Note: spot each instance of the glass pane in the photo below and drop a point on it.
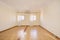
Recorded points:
(20, 18)
(32, 18)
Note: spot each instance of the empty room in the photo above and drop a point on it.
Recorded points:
(29, 19)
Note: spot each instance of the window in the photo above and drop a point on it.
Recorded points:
(20, 18)
(32, 18)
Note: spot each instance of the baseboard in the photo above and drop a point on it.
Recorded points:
(7, 29)
(50, 33)
(13, 27)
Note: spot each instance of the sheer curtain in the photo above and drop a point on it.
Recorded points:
(20, 18)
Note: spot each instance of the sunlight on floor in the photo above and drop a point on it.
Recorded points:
(21, 34)
(33, 34)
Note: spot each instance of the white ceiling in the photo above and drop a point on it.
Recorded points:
(26, 4)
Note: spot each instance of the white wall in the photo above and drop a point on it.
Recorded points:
(50, 17)
(7, 17)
